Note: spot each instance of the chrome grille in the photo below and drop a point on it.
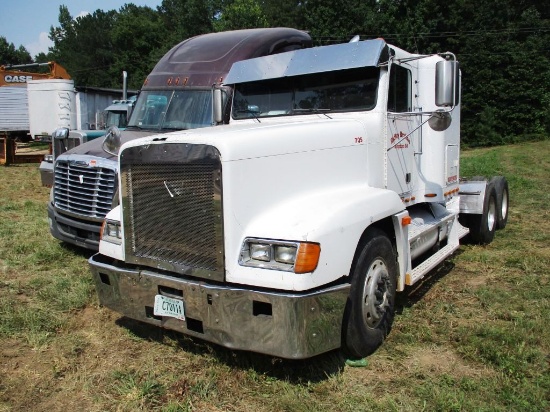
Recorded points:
(174, 215)
(84, 190)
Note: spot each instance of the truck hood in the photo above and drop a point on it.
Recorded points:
(94, 147)
(240, 141)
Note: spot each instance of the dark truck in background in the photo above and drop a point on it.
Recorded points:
(177, 95)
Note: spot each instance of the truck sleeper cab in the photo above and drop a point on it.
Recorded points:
(177, 95)
(359, 198)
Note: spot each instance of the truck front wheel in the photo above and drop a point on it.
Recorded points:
(371, 304)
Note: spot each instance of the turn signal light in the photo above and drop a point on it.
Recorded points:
(307, 257)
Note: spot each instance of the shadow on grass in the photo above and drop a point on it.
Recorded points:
(414, 294)
(77, 250)
(312, 370)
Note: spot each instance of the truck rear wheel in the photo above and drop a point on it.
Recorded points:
(371, 304)
(501, 187)
(482, 227)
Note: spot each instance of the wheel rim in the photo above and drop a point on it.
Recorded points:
(504, 205)
(491, 215)
(376, 293)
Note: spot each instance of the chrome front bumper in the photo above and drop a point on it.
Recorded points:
(282, 324)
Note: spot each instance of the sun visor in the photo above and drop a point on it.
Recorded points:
(369, 53)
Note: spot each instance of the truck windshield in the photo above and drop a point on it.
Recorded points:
(172, 109)
(339, 91)
(118, 119)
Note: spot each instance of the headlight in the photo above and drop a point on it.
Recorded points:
(260, 252)
(297, 257)
(110, 232)
(285, 254)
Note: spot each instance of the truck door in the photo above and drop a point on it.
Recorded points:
(403, 131)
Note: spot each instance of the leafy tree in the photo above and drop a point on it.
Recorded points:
(139, 40)
(186, 18)
(84, 46)
(339, 20)
(10, 55)
(42, 58)
(284, 13)
(501, 46)
(241, 14)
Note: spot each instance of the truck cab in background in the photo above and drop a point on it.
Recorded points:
(64, 139)
(177, 95)
(118, 113)
(290, 230)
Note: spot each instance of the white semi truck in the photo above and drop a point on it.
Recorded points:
(290, 230)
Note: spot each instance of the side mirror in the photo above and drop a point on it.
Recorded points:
(111, 143)
(61, 133)
(217, 105)
(447, 83)
(440, 120)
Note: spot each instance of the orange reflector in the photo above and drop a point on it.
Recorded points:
(169, 81)
(430, 195)
(185, 81)
(307, 257)
(177, 81)
(407, 220)
(101, 230)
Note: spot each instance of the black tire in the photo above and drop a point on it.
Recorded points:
(371, 305)
(503, 200)
(482, 227)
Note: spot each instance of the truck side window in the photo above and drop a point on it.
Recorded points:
(400, 90)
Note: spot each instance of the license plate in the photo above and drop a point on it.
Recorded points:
(165, 306)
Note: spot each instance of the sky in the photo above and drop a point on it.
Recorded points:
(28, 22)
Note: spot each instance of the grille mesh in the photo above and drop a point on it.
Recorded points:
(83, 190)
(175, 213)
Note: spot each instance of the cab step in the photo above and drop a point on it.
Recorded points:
(430, 263)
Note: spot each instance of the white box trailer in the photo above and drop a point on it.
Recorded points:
(52, 104)
(14, 115)
(290, 230)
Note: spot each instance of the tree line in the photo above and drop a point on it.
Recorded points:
(503, 46)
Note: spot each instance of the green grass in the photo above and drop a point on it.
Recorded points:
(473, 336)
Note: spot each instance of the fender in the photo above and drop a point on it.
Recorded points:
(335, 218)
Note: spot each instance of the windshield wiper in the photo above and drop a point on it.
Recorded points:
(254, 113)
(163, 129)
(312, 110)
